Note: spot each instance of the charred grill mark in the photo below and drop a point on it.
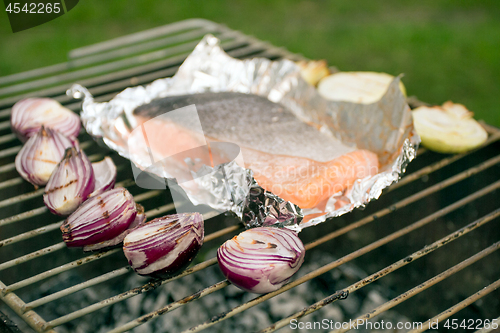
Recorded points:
(42, 160)
(69, 153)
(139, 208)
(218, 317)
(61, 187)
(179, 239)
(193, 297)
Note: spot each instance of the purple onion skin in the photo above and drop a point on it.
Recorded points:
(164, 246)
(261, 260)
(100, 218)
(70, 184)
(140, 218)
(40, 155)
(29, 114)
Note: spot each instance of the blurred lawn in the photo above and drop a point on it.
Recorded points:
(448, 50)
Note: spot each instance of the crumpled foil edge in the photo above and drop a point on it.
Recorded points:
(279, 81)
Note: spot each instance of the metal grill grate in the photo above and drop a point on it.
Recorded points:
(442, 200)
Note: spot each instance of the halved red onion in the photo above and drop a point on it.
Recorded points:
(29, 114)
(105, 175)
(164, 246)
(38, 158)
(261, 260)
(100, 218)
(70, 184)
(139, 219)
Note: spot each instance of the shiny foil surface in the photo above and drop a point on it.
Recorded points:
(384, 127)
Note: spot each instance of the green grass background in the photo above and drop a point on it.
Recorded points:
(448, 50)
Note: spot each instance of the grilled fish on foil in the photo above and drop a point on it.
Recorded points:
(287, 156)
(254, 138)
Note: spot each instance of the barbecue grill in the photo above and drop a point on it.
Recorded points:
(431, 238)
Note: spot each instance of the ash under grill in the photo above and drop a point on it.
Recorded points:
(428, 245)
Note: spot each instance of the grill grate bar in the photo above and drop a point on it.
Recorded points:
(56, 225)
(21, 198)
(346, 258)
(75, 288)
(192, 36)
(104, 87)
(22, 216)
(31, 317)
(385, 271)
(43, 209)
(134, 76)
(442, 163)
(19, 180)
(172, 306)
(11, 137)
(12, 166)
(7, 138)
(57, 270)
(136, 291)
(151, 285)
(5, 124)
(142, 36)
(408, 200)
(348, 228)
(436, 187)
(44, 71)
(126, 78)
(402, 203)
(459, 306)
(30, 195)
(53, 226)
(109, 276)
(105, 68)
(118, 69)
(7, 167)
(32, 255)
(14, 150)
(11, 182)
(10, 151)
(425, 285)
(312, 274)
(59, 246)
(30, 234)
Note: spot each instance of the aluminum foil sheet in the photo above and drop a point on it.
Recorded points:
(384, 127)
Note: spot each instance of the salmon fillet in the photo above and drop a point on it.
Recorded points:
(309, 183)
(290, 158)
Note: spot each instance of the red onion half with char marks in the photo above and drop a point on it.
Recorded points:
(29, 114)
(71, 183)
(100, 218)
(38, 158)
(139, 219)
(261, 260)
(164, 246)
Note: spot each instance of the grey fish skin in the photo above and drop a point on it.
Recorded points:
(251, 122)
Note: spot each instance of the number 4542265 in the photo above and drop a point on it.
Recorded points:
(34, 8)
(471, 324)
